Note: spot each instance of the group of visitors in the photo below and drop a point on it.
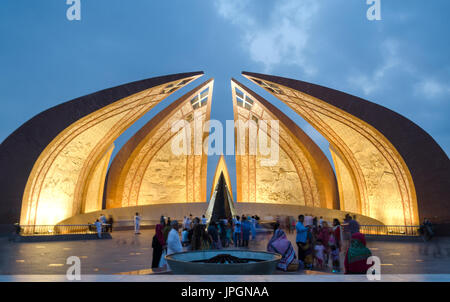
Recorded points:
(198, 234)
(102, 224)
(166, 241)
(320, 245)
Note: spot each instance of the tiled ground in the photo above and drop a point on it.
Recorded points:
(128, 252)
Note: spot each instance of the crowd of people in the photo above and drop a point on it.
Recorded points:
(197, 234)
(320, 245)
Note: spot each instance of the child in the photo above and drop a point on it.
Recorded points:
(335, 259)
(185, 237)
(319, 253)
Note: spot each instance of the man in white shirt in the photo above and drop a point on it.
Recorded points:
(137, 223)
(173, 240)
(204, 220)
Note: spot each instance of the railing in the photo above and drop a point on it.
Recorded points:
(42, 230)
(390, 230)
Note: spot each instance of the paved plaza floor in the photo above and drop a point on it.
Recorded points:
(128, 252)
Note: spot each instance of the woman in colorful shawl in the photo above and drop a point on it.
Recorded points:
(281, 245)
(158, 245)
(357, 254)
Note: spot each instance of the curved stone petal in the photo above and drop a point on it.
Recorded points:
(395, 170)
(47, 161)
(146, 170)
(302, 175)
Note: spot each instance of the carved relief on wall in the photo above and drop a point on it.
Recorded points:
(58, 183)
(147, 171)
(301, 176)
(366, 162)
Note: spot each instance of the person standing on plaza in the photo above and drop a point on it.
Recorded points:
(162, 221)
(137, 223)
(187, 223)
(308, 249)
(321, 221)
(173, 240)
(166, 230)
(319, 254)
(302, 233)
(346, 236)
(253, 224)
(185, 237)
(191, 221)
(204, 220)
(324, 237)
(337, 230)
(104, 221)
(98, 225)
(213, 234)
(353, 225)
(314, 224)
(223, 233)
(237, 232)
(158, 245)
(110, 224)
(246, 227)
(229, 234)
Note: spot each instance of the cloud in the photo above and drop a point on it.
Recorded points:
(432, 88)
(391, 61)
(281, 38)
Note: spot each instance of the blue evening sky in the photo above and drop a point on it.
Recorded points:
(401, 62)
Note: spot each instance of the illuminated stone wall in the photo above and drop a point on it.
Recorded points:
(367, 163)
(302, 175)
(58, 184)
(348, 190)
(96, 184)
(146, 170)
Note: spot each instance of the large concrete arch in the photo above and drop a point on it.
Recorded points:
(387, 166)
(48, 162)
(303, 175)
(146, 171)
